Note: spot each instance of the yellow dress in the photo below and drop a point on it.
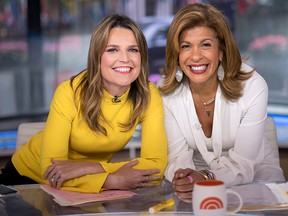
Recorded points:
(67, 136)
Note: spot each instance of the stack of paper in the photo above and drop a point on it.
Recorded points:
(69, 198)
(280, 190)
(261, 196)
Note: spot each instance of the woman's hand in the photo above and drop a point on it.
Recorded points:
(183, 183)
(128, 177)
(63, 170)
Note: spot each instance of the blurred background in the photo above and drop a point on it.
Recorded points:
(44, 42)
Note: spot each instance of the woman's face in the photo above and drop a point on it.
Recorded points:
(120, 62)
(199, 55)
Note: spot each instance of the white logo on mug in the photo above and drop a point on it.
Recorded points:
(210, 198)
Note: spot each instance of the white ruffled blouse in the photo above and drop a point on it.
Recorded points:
(237, 151)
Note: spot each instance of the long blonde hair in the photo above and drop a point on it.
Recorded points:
(92, 85)
(195, 15)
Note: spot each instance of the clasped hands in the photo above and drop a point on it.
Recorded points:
(183, 183)
(126, 177)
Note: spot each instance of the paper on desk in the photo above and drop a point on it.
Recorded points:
(280, 190)
(256, 197)
(69, 198)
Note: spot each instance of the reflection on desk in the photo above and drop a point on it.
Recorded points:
(34, 201)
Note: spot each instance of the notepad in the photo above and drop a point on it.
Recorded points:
(280, 190)
(259, 196)
(70, 198)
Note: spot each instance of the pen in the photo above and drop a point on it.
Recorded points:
(161, 206)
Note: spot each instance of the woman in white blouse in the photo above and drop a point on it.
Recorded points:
(215, 106)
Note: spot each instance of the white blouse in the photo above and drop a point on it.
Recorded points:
(237, 150)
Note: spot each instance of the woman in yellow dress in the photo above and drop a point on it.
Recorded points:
(94, 115)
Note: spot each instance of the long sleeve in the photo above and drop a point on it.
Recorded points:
(246, 133)
(58, 127)
(154, 144)
(57, 136)
(57, 141)
(67, 137)
(237, 144)
(250, 153)
(178, 130)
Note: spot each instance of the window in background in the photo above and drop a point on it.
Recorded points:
(36, 57)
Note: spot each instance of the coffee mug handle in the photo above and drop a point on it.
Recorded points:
(229, 191)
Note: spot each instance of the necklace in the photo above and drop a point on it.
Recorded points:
(206, 104)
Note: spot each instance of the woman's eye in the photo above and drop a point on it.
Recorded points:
(206, 44)
(134, 50)
(184, 46)
(111, 50)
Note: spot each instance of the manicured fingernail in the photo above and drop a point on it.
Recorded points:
(190, 179)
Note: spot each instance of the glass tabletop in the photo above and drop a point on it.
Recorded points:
(32, 200)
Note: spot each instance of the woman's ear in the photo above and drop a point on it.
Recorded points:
(220, 55)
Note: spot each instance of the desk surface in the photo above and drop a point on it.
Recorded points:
(34, 201)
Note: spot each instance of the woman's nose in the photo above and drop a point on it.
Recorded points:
(124, 56)
(196, 54)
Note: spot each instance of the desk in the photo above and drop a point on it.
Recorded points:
(33, 201)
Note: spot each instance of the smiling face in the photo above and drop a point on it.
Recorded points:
(120, 62)
(200, 55)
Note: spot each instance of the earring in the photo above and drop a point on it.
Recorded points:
(179, 74)
(220, 72)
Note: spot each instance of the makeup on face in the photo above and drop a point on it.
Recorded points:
(199, 54)
(121, 61)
